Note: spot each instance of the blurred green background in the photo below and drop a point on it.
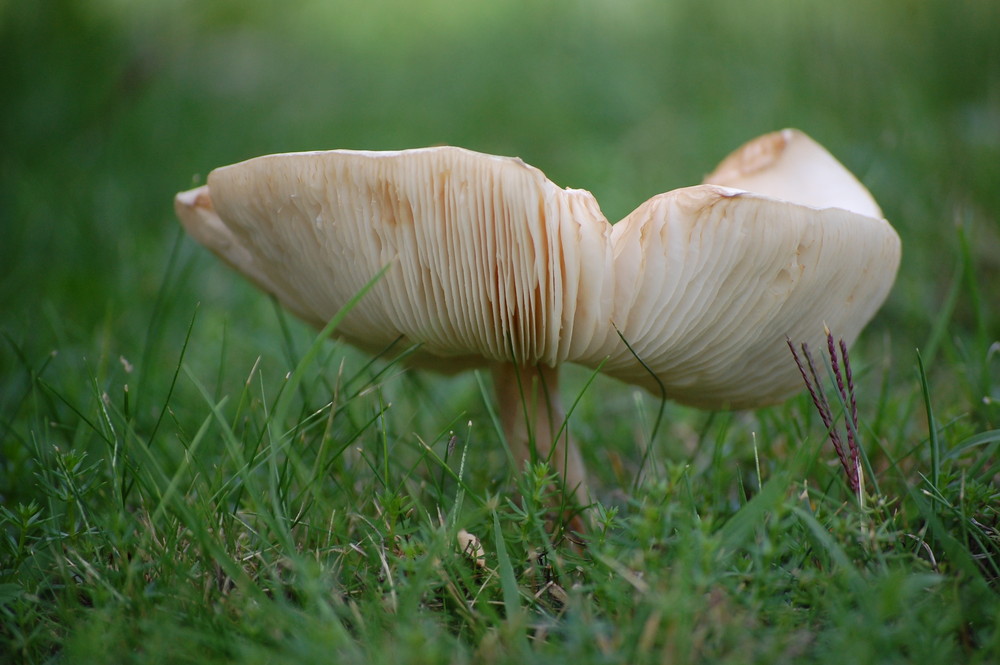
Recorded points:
(111, 106)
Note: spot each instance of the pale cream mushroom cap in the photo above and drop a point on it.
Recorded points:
(489, 261)
(789, 166)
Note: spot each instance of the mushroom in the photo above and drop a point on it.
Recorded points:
(490, 264)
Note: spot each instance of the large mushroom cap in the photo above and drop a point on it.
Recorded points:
(490, 261)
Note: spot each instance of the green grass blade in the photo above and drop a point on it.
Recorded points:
(825, 542)
(508, 581)
(738, 528)
(932, 426)
(280, 410)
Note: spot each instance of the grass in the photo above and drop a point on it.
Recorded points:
(188, 474)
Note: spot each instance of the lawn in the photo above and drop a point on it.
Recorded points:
(187, 473)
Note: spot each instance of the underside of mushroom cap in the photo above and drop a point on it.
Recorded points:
(710, 282)
(489, 261)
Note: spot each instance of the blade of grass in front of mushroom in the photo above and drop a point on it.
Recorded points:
(386, 352)
(563, 428)
(659, 412)
(283, 402)
(280, 442)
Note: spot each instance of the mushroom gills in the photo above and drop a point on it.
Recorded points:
(490, 264)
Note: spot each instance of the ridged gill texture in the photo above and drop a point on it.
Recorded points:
(489, 261)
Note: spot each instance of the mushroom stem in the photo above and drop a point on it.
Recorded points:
(532, 418)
